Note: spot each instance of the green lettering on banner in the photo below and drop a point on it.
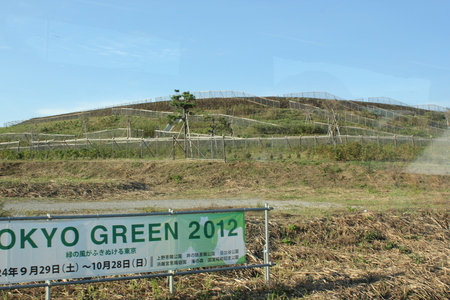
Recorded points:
(104, 236)
(92, 247)
(50, 236)
(151, 231)
(235, 225)
(135, 232)
(75, 239)
(12, 242)
(27, 238)
(173, 232)
(194, 234)
(209, 229)
(119, 234)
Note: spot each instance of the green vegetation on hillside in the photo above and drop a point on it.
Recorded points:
(233, 118)
(404, 120)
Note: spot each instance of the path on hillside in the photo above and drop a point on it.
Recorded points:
(20, 208)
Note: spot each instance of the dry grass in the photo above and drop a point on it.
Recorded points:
(397, 249)
(360, 185)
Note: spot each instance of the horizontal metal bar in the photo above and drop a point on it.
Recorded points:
(224, 269)
(51, 217)
(222, 210)
(45, 284)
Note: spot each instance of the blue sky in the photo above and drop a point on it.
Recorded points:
(63, 56)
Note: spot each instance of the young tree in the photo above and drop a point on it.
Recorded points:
(184, 102)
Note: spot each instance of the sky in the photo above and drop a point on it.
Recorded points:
(60, 56)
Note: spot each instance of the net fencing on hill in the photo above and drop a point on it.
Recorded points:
(207, 147)
(29, 136)
(115, 133)
(228, 94)
(435, 128)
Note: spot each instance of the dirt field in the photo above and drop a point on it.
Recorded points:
(341, 231)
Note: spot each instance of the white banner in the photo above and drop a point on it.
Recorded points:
(36, 250)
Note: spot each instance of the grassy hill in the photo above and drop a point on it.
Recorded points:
(293, 116)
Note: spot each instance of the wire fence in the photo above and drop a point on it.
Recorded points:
(235, 94)
(379, 100)
(237, 121)
(77, 115)
(29, 136)
(387, 100)
(314, 95)
(109, 133)
(346, 117)
(12, 123)
(109, 109)
(228, 94)
(201, 147)
(64, 117)
(349, 130)
(141, 113)
(389, 114)
(435, 128)
(433, 107)
(115, 133)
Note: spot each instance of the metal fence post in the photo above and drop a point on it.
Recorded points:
(211, 146)
(198, 147)
(431, 142)
(170, 277)
(266, 248)
(47, 290)
(224, 154)
(173, 148)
